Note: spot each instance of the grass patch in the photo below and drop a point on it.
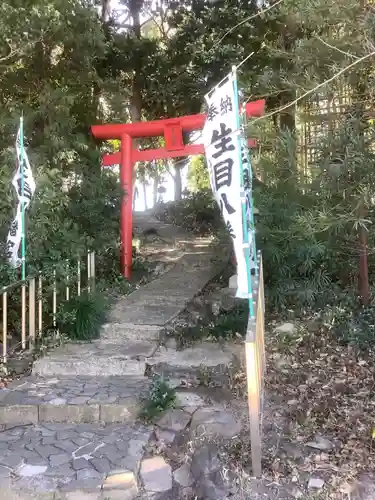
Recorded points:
(81, 317)
(226, 326)
(161, 397)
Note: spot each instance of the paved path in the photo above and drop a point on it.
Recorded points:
(70, 430)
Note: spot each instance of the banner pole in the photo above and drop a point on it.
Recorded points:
(252, 218)
(243, 202)
(22, 172)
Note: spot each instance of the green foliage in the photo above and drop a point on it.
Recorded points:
(296, 262)
(232, 323)
(198, 176)
(81, 317)
(227, 325)
(161, 397)
(350, 323)
(197, 213)
(358, 328)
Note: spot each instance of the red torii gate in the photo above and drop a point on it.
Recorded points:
(172, 130)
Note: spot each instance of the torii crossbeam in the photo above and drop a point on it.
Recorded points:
(172, 130)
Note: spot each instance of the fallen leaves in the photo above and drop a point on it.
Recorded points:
(325, 396)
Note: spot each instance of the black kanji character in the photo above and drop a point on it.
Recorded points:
(26, 189)
(225, 143)
(10, 247)
(244, 156)
(224, 203)
(226, 105)
(246, 179)
(13, 228)
(223, 173)
(212, 112)
(230, 229)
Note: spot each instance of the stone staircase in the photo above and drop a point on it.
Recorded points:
(70, 431)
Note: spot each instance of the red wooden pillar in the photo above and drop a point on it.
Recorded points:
(126, 222)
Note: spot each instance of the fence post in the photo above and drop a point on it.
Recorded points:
(40, 306)
(54, 300)
(5, 326)
(67, 280)
(79, 276)
(253, 395)
(92, 260)
(31, 312)
(89, 272)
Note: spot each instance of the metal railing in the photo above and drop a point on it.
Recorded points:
(255, 370)
(37, 298)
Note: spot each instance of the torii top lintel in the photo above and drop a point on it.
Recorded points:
(161, 127)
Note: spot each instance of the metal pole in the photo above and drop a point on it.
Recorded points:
(244, 214)
(23, 315)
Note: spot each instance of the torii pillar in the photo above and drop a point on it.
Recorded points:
(172, 130)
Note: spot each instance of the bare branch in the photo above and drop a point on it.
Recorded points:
(309, 92)
(336, 48)
(9, 56)
(263, 11)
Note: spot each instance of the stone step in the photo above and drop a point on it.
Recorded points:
(33, 400)
(204, 362)
(100, 358)
(71, 462)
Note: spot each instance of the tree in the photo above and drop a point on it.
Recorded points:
(198, 176)
(51, 54)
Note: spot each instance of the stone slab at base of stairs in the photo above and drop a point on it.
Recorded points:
(70, 462)
(204, 359)
(75, 400)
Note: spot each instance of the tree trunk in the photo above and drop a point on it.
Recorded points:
(105, 10)
(135, 7)
(144, 185)
(155, 187)
(177, 182)
(364, 285)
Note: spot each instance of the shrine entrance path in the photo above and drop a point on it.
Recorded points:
(71, 429)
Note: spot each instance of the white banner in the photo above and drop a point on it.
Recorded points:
(248, 187)
(29, 183)
(15, 232)
(14, 238)
(221, 138)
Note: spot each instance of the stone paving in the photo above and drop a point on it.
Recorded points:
(70, 431)
(66, 457)
(79, 399)
(94, 462)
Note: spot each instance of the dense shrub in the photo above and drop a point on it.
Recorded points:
(81, 317)
(198, 213)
